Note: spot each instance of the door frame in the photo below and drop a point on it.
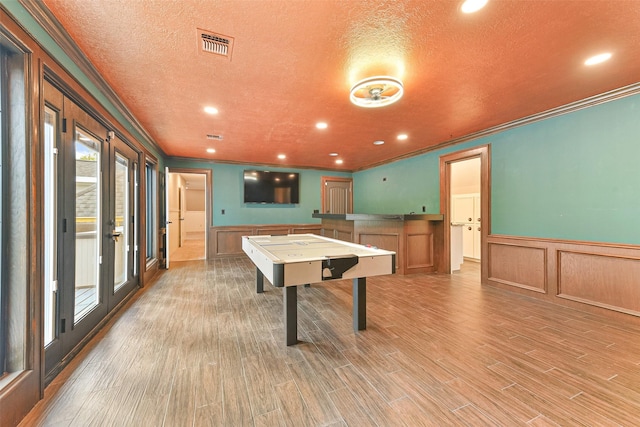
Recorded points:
(208, 194)
(74, 335)
(119, 146)
(78, 114)
(323, 194)
(484, 153)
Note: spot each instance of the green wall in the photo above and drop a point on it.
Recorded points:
(401, 187)
(574, 176)
(228, 195)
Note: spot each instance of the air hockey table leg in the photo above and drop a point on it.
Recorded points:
(359, 303)
(290, 304)
(259, 281)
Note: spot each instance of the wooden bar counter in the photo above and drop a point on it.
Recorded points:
(417, 240)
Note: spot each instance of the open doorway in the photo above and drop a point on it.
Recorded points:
(464, 202)
(188, 213)
(466, 218)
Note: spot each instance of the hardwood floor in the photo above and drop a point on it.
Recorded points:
(200, 347)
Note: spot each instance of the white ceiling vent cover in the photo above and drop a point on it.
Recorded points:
(217, 44)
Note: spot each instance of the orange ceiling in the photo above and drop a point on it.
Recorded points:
(294, 62)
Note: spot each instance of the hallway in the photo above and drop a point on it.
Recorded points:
(200, 347)
(191, 250)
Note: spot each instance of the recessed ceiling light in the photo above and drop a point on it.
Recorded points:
(402, 136)
(321, 125)
(470, 6)
(339, 162)
(211, 150)
(333, 154)
(597, 59)
(282, 156)
(379, 142)
(211, 110)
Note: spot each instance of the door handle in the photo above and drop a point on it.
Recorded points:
(115, 234)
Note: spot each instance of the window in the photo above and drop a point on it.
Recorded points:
(151, 210)
(14, 267)
(136, 219)
(3, 310)
(51, 218)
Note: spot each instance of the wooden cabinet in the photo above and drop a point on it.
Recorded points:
(417, 240)
(337, 229)
(227, 241)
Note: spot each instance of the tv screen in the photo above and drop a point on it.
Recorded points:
(271, 187)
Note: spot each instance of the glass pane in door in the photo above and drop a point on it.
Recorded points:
(121, 228)
(50, 226)
(88, 184)
(136, 210)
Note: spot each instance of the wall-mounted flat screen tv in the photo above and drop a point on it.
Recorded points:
(271, 187)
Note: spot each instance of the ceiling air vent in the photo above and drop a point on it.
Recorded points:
(214, 137)
(215, 43)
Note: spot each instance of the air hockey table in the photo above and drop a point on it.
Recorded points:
(303, 259)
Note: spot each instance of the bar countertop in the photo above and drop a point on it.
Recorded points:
(381, 217)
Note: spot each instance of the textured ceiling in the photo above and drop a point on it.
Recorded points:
(294, 62)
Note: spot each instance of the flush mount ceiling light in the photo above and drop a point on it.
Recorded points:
(597, 59)
(376, 91)
(471, 6)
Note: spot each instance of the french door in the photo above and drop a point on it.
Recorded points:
(90, 204)
(122, 223)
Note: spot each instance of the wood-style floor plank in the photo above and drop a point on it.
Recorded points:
(199, 347)
(236, 407)
(352, 412)
(259, 388)
(292, 406)
(317, 401)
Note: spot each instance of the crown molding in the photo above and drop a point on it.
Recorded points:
(171, 159)
(49, 23)
(602, 98)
